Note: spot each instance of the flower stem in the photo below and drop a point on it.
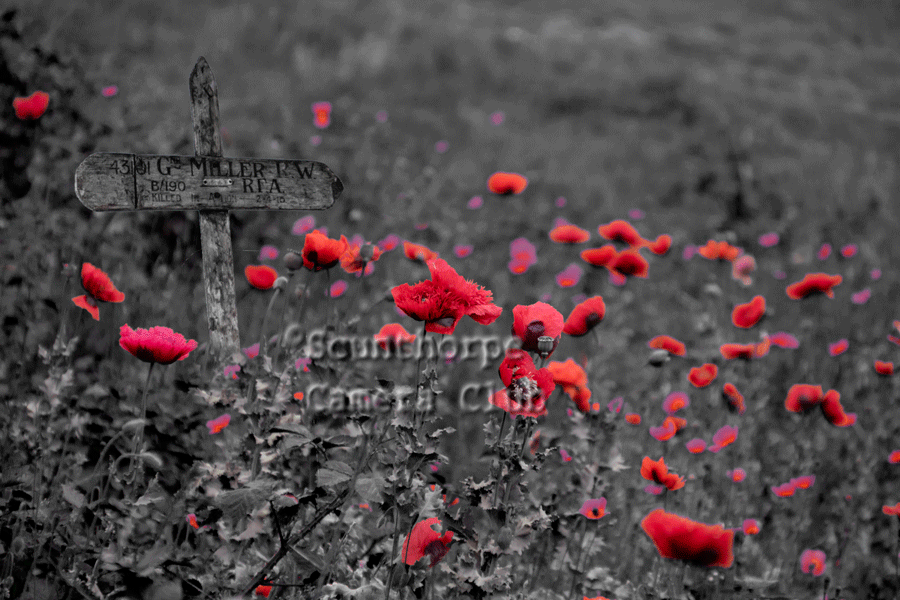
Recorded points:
(137, 468)
(262, 333)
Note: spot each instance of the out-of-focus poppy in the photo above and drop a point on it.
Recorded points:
(734, 397)
(745, 351)
(675, 401)
(681, 538)
(569, 234)
(599, 257)
(218, 424)
(814, 283)
(723, 437)
(661, 246)
(321, 114)
(622, 231)
(658, 472)
(813, 561)
(750, 526)
(695, 446)
(573, 380)
(669, 344)
(884, 367)
(393, 336)
(585, 316)
(747, 315)
(32, 107)
(742, 267)
(783, 340)
(262, 277)
(321, 252)
(719, 251)
(507, 184)
(630, 263)
(594, 509)
(703, 375)
(418, 252)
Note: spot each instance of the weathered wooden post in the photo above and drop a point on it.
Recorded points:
(212, 184)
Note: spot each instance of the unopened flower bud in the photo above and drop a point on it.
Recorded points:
(545, 345)
(293, 261)
(504, 538)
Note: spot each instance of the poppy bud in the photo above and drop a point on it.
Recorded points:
(504, 538)
(280, 283)
(293, 261)
(658, 358)
(545, 345)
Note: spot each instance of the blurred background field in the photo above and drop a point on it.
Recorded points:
(709, 116)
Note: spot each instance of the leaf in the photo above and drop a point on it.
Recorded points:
(239, 503)
(370, 487)
(154, 494)
(72, 495)
(332, 473)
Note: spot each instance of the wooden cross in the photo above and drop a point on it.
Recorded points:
(212, 184)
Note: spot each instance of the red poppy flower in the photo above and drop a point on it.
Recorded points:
(834, 412)
(884, 367)
(392, 336)
(785, 490)
(813, 561)
(425, 540)
(585, 316)
(891, 510)
(630, 263)
(719, 251)
(747, 315)
(263, 590)
(156, 345)
(261, 277)
(594, 509)
(534, 321)
(622, 231)
(599, 257)
(322, 114)
(784, 340)
(444, 299)
(745, 351)
(573, 380)
(569, 234)
(218, 424)
(321, 252)
(750, 527)
(658, 472)
(814, 283)
(741, 267)
(804, 482)
(665, 431)
(32, 107)
(723, 437)
(667, 343)
(703, 375)
(662, 245)
(683, 539)
(99, 287)
(695, 446)
(675, 402)
(192, 521)
(507, 184)
(737, 475)
(357, 257)
(894, 457)
(527, 387)
(569, 276)
(418, 252)
(635, 419)
(803, 397)
(734, 397)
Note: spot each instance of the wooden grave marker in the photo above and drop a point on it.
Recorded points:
(212, 184)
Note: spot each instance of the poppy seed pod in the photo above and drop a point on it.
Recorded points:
(293, 261)
(545, 345)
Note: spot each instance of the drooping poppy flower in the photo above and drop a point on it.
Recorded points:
(658, 472)
(814, 283)
(719, 251)
(418, 252)
(661, 246)
(99, 288)
(703, 375)
(669, 344)
(723, 437)
(750, 527)
(321, 252)
(742, 267)
(622, 231)
(747, 315)
(675, 401)
(573, 380)
(884, 367)
(218, 424)
(599, 257)
(321, 114)
(783, 339)
(527, 387)
(425, 540)
(681, 538)
(695, 446)
(32, 107)
(734, 397)
(585, 316)
(262, 277)
(569, 234)
(803, 397)
(444, 299)
(155, 345)
(594, 509)
(630, 263)
(393, 336)
(534, 321)
(507, 184)
(812, 561)
(358, 256)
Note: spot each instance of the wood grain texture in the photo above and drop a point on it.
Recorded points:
(215, 230)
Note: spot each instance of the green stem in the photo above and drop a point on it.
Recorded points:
(137, 466)
(262, 333)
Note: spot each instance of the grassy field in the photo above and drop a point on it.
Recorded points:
(696, 119)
